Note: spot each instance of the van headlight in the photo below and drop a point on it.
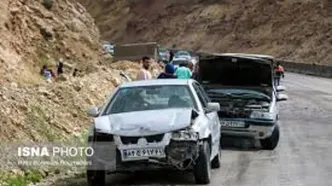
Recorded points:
(185, 135)
(262, 115)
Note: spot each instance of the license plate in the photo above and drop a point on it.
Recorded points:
(143, 153)
(235, 124)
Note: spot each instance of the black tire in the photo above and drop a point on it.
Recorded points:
(216, 162)
(202, 168)
(271, 142)
(96, 177)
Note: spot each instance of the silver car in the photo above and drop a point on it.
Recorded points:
(182, 54)
(153, 124)
(243, 85)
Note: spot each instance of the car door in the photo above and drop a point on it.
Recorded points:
(215, 117)
(212, 117)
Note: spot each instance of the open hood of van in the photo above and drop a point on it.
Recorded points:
(232, 70)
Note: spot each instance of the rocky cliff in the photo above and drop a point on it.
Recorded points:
(33, 34)
(290, 29)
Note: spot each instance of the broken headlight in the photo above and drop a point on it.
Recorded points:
(262, 115)
(185, 135)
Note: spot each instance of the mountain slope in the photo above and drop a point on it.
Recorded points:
(32, 35)
(292, 29)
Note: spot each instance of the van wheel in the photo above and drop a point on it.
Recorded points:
(96, 177)
(202, 168)
(216, 162)
(271, 142)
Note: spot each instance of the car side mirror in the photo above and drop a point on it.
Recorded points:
(281, 88)
(213, 107)
(94, 111)
(282, 97)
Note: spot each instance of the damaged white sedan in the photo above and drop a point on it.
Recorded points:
(153, 124)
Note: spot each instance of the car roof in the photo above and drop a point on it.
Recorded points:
(154, 82)
(250, 55)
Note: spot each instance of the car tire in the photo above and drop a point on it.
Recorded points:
(271, 142)
(202, 168)
(96, 177)
(216, 162)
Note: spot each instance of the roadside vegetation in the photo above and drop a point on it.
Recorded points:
(24, 176)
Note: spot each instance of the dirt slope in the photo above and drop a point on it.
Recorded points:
(56, 111)
(291, 29)
(32, 35)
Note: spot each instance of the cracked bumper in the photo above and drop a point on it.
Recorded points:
(253, 131)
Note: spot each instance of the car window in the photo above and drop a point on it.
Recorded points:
(200, 95)
(182, 53)
(151, 98)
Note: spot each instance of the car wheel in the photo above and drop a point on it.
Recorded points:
(202, 168)
(96, 177)
(216, 162)
(271, 142)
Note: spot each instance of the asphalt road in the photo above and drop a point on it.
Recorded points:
(302, 158)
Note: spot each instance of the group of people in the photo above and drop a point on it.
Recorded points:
(184, 71)
(48, 73)
(189, 70)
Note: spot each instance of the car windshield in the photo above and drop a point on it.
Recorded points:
(182, 53)
(150, 98)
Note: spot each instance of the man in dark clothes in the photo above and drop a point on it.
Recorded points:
(169, 72)
(171, 55)
(60, 68)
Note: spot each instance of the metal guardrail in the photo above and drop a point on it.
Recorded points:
(308, 69)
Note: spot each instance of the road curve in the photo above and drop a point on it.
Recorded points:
(302, 158)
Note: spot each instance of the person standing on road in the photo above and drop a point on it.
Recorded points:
(171, 56)
(191, 66)
(144, 73)
(195, 72)
(169, 72)
(183, 72)
(278, 73)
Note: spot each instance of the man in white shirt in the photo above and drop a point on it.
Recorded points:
(144, 73)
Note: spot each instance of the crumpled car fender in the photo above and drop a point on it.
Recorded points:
(201, 125)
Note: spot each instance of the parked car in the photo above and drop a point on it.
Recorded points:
(177, 61)
(165, 123)
(182, 54)
(108, 47)
(244, 87)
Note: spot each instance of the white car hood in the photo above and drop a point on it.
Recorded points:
(143, 123)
